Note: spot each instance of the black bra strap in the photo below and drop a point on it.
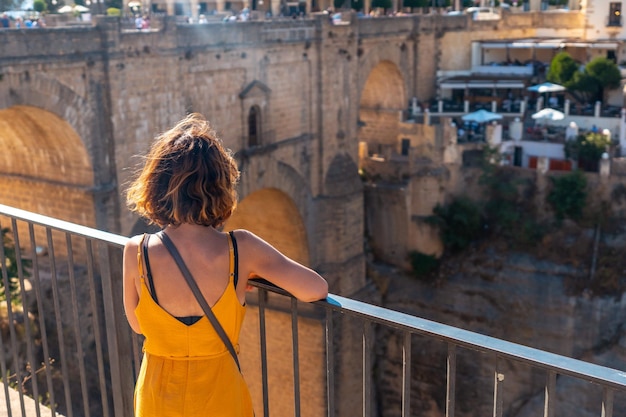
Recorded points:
(198, 294)
(148, 272)
(236, 272)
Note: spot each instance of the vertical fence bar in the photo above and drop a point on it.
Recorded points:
(367, 371)
(498, 390)
(95, 321)
(11, 318)
(59, 324)
(80, 354)
(550, 394)
(607, 402)
(266, 406)
(296, 356)
(31, 365)
(137, 356)
(406, 375)
(330, 364)
(451, 381)
(47, 361)
(4, 378)
(117, 329)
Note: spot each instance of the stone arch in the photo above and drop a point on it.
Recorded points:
(260, 173)
(82, 108)
(45, 167)
(271, 214)
(37, 90)
(383, 98)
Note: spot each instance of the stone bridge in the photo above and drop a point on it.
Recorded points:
(292, 98)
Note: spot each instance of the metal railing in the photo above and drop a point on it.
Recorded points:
(65, 341)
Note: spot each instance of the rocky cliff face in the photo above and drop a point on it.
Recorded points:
(533, 300)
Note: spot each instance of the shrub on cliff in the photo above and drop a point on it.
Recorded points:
(568, 195)
(460, 223)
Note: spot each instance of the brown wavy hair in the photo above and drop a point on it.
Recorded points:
(188, 177)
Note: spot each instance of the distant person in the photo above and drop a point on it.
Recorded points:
(138, 22)
(187, 187)
(5, 22)
(202, 19)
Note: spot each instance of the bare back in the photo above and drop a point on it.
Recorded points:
(207, 258)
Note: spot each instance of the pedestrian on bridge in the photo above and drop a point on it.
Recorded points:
(185, 286)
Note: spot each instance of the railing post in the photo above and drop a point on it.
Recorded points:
(451, 381)
(406, 375)
(498, 390)
(367, 372)
(548, 408)
(330, 364)
(607, 402)
(118, 333)
(263, 340)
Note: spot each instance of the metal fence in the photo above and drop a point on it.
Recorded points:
(65, 341)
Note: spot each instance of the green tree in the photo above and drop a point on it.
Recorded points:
(415, 4)
(40, 6)
(562, 69)
(588, 85)
(11, 266)
(587, 150)
(382, 4)
(460, 223)
(568, 195)
(357, 4)
(606, 73)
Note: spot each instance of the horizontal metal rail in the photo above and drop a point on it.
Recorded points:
(115, 349)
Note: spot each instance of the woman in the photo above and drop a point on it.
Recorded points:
(187, 187)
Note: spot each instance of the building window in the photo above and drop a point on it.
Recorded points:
(254, 126)
(615, 14)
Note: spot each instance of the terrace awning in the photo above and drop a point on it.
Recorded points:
(462, 85)
(555, 43)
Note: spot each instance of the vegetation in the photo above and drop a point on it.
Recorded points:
(415, 3)
(587, 150)
(588, 84)
(382, 4)
(422, 264)
(460, 223)
(40, 6)
(568, 195)
(11, 266)
(114, 11)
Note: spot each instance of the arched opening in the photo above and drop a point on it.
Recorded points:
(44, 166)
(254, 126)
(382, 100)
(272, 215)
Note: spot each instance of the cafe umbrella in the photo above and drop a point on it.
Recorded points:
(481, 116)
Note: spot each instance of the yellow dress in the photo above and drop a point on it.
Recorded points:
(186, 369)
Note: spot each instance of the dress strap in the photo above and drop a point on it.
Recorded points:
(142, 260)
(233, 268)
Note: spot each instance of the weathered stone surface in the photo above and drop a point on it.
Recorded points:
(511, 296)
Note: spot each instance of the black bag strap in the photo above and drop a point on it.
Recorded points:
(196, 292)
(146, 262)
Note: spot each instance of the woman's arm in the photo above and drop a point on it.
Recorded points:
(131, 277)
(260, 259)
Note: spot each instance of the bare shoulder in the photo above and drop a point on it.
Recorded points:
(132, 244)
(245, 236)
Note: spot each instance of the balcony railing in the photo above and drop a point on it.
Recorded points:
(65, 341)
